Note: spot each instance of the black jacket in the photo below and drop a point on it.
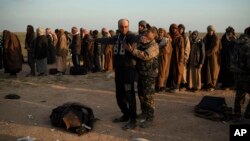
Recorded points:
(41, 47)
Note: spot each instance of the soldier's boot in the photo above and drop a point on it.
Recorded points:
(145, 123)
(148, 121)
(130, 125)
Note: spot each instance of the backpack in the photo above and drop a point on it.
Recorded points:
(213, 108)
(74, 117)
(79, 70)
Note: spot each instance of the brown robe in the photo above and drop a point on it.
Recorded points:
(196, 59)
(211, 65)
(186, 57)
(88, 52)
(108, 52)
(164, 63)
(61, 52)
(177, 62)
(12, 53)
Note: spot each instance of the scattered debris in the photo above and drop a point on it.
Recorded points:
(110, 75)
(28, 138)
(30, 117)
(139, 139)
(52, 130)
(12, 96)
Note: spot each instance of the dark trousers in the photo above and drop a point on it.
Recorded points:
(75, 60)
(88, 60)
(226, 77)
(97, 62)
(31, 62)
(125, 93)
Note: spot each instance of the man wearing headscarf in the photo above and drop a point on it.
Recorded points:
(52, 41)
(112, 32)
(165, 51)
(87, 50)
(61, 52)
(227, 44)
(41, 49)
(186, 55)
(12, 53)
(97, 53)
(211, 65)
(177, 59)
(75, 47)
(195, 62)
(108, 52)
(30, 45)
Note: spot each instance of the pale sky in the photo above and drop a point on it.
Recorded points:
(15, 15)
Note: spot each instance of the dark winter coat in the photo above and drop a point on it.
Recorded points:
(12, 53)
(41, 47)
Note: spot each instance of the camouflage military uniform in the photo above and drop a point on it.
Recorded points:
(147, 68)
(243, 87)
(242, 72)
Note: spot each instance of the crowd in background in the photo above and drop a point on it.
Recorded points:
(157, 60)
(185, 61)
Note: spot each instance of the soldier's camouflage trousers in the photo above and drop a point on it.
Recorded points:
(242, 89)
(146, 90)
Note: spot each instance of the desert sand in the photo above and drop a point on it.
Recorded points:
(29, 115)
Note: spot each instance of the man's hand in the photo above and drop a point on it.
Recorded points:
(128, 47)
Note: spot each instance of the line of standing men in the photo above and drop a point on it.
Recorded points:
(138, 53)
(144, 50)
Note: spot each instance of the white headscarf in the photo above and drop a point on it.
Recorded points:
(211, 27)
(105, 30)
(40, 31)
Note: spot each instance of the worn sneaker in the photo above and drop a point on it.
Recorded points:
(130, 125)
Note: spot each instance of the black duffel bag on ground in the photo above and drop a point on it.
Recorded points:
(74, 117)
(213, 108)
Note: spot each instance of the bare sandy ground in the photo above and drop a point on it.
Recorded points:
(29, 116)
